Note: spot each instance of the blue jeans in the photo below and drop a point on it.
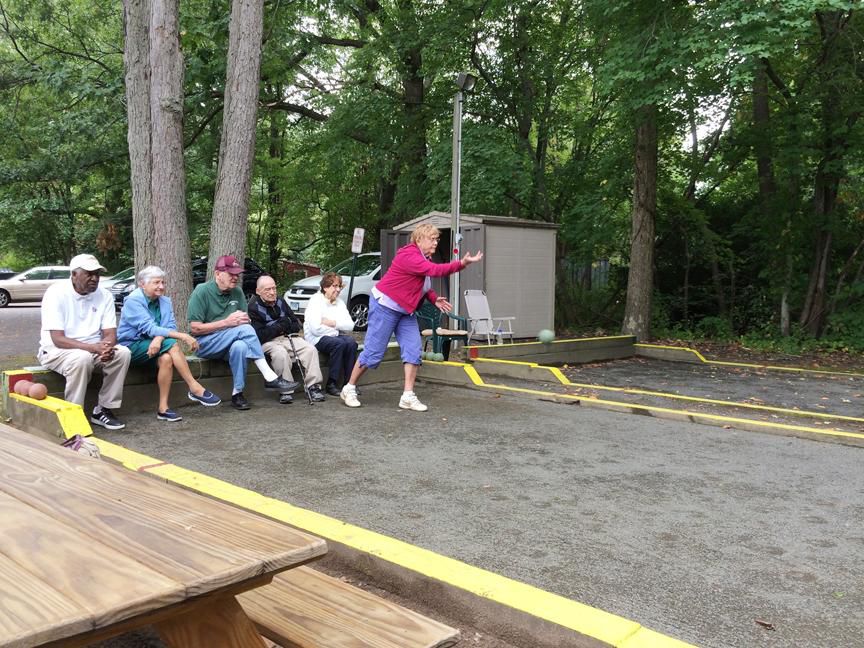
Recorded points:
(236, 346)
(384, 322)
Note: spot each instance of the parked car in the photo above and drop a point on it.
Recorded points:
(30, 285)
(123, 275)
(367, 274)
(251, 272)
(7, 273)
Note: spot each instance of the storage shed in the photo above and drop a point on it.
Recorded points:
(518, 268)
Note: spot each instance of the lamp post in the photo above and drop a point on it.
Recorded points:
(465, 83)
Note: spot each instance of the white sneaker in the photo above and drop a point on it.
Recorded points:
(349, 396)
(410, 401)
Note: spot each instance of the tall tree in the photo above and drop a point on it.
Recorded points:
(136, 58)
(237, 148)
(640, 279)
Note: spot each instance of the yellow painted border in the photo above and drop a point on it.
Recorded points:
(561, 378)
(663, 411)
(537, 342)
(723, 363)
(584, 619)
(70, 416)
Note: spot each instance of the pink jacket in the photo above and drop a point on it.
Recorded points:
(403, 282)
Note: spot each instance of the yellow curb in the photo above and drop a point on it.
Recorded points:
(535, 342)
(561, 378)
(70, 416)
(584, 619)
(749, 365)
(676, 413)
(645, 638)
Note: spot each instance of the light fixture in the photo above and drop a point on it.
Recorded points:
(466, 82)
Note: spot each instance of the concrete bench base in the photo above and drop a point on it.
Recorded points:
(140, 393)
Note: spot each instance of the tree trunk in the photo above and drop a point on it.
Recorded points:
(640, 285)
(275, 207)
(136, 59)
(767, 183)
(168, 179)
(237, 147)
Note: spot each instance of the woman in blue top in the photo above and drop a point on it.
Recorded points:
(147, 326)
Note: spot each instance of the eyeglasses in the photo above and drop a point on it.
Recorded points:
(336, 287)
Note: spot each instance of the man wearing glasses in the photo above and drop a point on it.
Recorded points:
(218, 319)
(276, 326)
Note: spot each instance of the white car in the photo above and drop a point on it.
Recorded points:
(124, 275)
(30, 285)
(367, 274)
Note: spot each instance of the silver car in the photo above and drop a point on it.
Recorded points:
(367, 274)
(30, 285)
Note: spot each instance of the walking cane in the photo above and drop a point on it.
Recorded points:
(302, 369)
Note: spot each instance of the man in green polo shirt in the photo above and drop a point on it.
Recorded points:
(218, 319)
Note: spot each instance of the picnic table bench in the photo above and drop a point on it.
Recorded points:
(90, 550)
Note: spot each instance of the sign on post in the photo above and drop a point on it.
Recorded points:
(357, 241)
(356, 248)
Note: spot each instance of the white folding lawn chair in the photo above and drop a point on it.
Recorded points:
(482, 322)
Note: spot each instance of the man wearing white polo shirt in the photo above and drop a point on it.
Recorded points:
(79, 333)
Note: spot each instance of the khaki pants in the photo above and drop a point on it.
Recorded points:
(281, 358)
(76, 365)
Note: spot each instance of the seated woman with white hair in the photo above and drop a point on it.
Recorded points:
(148, 327)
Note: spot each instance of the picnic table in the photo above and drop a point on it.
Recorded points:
(89, 550)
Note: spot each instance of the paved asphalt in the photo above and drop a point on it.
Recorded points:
(19, 331)
(693, 531)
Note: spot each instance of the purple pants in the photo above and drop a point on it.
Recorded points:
(384, 322)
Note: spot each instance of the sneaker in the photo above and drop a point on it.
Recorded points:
(169, 415)
(332, 389)
(286, 399)
(281, 385)
(349, 395)
(208, 398)
(315, 394)
(238, 401)
(106, 419)
(410, 401)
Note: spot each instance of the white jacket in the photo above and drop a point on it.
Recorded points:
(320, 308)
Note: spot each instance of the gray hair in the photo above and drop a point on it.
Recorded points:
(148, 273)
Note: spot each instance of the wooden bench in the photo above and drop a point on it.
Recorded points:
(303, 608)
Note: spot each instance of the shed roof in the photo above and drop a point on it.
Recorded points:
(442, 220)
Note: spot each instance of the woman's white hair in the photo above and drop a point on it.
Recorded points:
(148, 273)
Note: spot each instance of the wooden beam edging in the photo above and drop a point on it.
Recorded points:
(686, 354)
(533, 371)
(30, 414)
(540, 618)
(751, 425)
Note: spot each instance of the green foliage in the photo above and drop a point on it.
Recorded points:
(355, 129)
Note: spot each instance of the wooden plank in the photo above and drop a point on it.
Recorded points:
(107, 584)
(189, 606)
(119, 548)
(172, 530)
(222, 624)
(304, 608)
(31, 607)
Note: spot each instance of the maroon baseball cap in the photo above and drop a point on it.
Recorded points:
(228, 263)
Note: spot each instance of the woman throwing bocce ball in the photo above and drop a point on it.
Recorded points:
(392, 310)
